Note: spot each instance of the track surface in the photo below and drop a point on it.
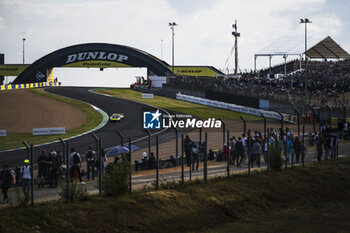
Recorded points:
(131, 126)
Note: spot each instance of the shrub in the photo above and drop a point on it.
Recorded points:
(275, 157)
(116, 179)
(77, 192)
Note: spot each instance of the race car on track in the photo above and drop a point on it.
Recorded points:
(116, 117)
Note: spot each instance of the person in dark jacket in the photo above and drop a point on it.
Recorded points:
(6, 182)
(56, 163)
(43, 161)
(239, 152)
(297, 148)
(188, 149)
(319, 148)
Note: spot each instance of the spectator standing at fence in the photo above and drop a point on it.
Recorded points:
(6, 182)
(346, 132)
(90, 162)
(232, 151)
(56, 163)
(297, 148)
(43, 162)
(265, 150)
(239, 152)
(75, 161)
(104, 159)
(255, 153)
(26, 177)
(187, 146)
(288, 147)
(319, 148)
(195, 155)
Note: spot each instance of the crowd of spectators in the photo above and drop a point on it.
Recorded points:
(323, 79)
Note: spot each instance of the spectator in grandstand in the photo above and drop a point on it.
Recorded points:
(90, 162)
(75, 163)
(43, 165)
(56, 163)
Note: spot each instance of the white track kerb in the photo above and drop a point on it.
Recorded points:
(102, 123)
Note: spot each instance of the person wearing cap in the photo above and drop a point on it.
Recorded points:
(26, 177)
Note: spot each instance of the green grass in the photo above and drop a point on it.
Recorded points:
(310, 199)
(93, 119)
(178, 106)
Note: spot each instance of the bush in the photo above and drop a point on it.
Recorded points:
(77, 192)
(116, 179)
(275, 157)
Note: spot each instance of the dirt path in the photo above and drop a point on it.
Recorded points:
(21, 111)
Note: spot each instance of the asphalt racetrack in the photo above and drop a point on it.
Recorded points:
(131, 126)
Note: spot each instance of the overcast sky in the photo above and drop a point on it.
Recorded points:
(203, 36)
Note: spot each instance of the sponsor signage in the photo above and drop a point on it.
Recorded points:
(49, 131)
(85, 56)
(12, 70)
(155, 120)
(195, 71)
(2, 133)
(147, 96)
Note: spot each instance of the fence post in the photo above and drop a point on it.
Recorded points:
(130, 175)
(149, 142)
(27, 148)
(99, 155)
(206, 157)
(244, 124)
(32, 175)
(298, 120)
(63, 149)
(157, 164)
(67, 171)
(313, 117)
(223, 131)
(262, 115)
(177, 146)
(303, 150)
(182, 160)
(330, 115)
(200, 135)
(281, 115)
(228, 153)
(344, 110)
(249, 151)
(121, 138)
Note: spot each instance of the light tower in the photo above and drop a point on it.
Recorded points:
(236, 35)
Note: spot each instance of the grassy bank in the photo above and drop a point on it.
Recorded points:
(178, 106)
(310, 199)
(93, 119)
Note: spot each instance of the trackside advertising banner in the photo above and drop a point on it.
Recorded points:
(49, 131)
(231, 107)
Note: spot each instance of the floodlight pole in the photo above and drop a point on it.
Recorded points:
(172, 26)
(236, 35)
(24, 39)
(305, 21)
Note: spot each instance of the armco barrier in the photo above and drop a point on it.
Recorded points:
(235, 108)
(28, 85)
